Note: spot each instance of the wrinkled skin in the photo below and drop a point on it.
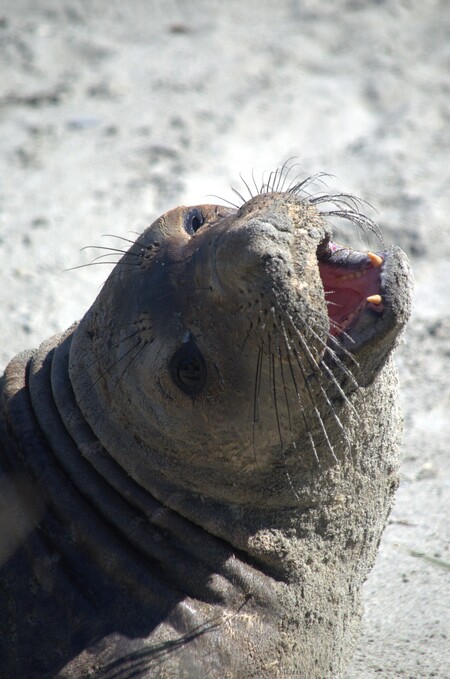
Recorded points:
(198, 473)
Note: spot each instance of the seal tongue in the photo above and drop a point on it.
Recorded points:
(351, 282)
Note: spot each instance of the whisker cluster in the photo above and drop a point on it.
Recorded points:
(291, 363)
(346, 206)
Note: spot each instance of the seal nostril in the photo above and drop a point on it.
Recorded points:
(188, 368)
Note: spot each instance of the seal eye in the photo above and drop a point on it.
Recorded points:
(188, 368)
(193, 221)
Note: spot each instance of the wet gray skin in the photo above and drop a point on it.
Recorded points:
(228, 406)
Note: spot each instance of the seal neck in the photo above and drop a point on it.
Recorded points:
(125, 530)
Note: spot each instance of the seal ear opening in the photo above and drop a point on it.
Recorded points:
(193, 221)
(188, 368)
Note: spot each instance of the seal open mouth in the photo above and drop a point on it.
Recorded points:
(351, 281)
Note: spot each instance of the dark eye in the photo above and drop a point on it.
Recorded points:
(188, 368)
(193, 221)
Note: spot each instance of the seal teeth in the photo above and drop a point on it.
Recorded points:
(351, 276)
(375, 299)
(376, 260)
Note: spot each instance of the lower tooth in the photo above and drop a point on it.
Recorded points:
(375, 299)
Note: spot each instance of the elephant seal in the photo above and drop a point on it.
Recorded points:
(196, 476)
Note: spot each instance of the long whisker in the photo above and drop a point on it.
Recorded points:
(224, 200)
(296, 189)
(348, 200)
(239, 195)
(96, 263)
(280, 360)
(113, 235)
(286, 169)
(254, 182)
(141, 348)
(271, 358)
(360, 220)
(256, 392)
(316, 410)
(327, 349)
(263, 188)
(319, 369)
(241, 350)
(108, 351)
(111, 250)
(329, 403)
(298, 394)
(272, 179)
(323, 322)
(316, 372)
(107, 254)
(246, 185)
(286, 397)
(115, 363)
(268, 184)
(275, 401)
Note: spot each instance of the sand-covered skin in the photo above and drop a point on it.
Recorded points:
(110, 116)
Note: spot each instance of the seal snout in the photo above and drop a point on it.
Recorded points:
(252, 256)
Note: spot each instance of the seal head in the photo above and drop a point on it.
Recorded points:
(223, 342)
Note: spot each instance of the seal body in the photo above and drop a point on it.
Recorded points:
(196, 476)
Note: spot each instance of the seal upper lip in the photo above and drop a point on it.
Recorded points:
(352, 283)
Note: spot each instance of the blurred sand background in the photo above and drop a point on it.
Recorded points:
(113, 112)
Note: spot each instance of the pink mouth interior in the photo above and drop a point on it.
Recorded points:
(346, 291)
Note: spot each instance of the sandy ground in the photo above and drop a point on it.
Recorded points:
(109, 116)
